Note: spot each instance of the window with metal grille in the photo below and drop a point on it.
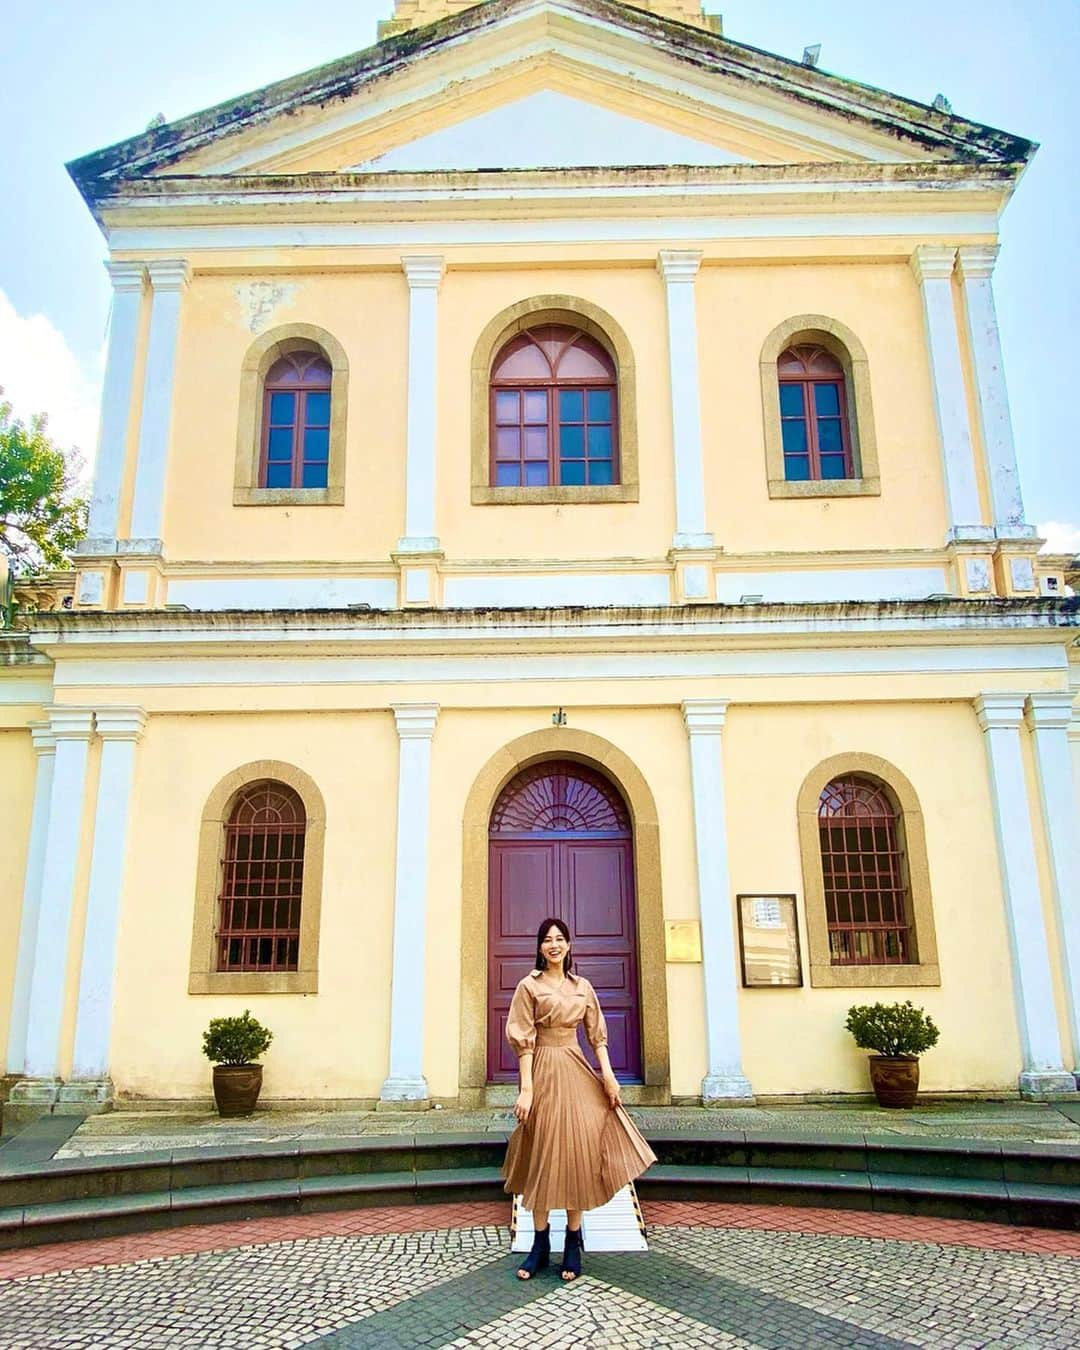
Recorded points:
(296, 422)
(813, 416)
(262, 880)
(865, 874)
(554, 411)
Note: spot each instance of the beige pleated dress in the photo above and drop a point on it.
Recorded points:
(575, 1150)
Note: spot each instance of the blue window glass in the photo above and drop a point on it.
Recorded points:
(827, 400)
(572, 442)
(318, 410)
(282, 409)
(832, 466)
(796, 468)
(600, 472)
(794, 437)
(599, 442)
(599, 401)
(317, 443)
(571, 405)
(507, 475)
(830, 441)
(791, 400)
(536, 406)
(572, 472)
(279, 445)
(506, 406)
(279, 475)
(536, 473)
(314, 475)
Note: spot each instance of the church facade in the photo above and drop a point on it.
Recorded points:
(556, 461)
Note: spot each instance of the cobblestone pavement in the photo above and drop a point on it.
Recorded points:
(133, 1131)
(711, 1278)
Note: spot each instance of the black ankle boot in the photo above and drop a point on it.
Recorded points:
(539, 1253)
(571, 1261)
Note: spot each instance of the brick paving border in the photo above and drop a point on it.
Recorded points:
(99, 1252)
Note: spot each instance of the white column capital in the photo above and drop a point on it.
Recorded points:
(43, 738)
(415, 721)
(705, 715)
(1050, 710)
(423, 270)
(678, 264)
(126, 276)
(120, 724)
(933, 262)
(995, 711)
(975, 262)
(169, 274)
(70, 724)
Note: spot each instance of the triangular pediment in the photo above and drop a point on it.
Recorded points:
(547, 84)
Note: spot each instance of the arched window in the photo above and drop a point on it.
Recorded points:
(262, 874)
(295, 449)
(864, 870)
(815, 432)
(554, 411)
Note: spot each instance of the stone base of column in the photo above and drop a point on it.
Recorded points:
(718, 1089)
(692, 541)
(39, 1092)
(1039, 1083)
(418, 543)
(404, 1094)
(92, 1095)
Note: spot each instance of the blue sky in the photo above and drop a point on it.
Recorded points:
(79, 76)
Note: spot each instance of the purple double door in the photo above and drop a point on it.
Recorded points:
(561, 845)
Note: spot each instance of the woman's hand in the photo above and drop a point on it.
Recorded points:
(523, 1105)
(611, 1087)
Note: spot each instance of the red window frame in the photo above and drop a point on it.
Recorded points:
(864, 870)
(262, 878)
(819, 368)
(552, 387)
(299, 375)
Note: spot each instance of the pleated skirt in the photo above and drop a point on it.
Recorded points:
(575, 1151)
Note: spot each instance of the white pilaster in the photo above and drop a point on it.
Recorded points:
(724, 1078)
(169, 279)
(1048, 717)
(71, 728)
(933, 267)
(976, 266)
(1043, 1073)
(45, 748)
(128, 282)
(679, 268)
(415, 727)
(120, 730)
(424, 275)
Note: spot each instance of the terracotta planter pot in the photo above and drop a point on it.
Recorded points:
(237, 1088)
(895, 1079)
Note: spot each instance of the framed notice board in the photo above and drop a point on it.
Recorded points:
(769, 941)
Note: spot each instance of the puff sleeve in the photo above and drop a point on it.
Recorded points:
(595, 1026)
(521, 1022)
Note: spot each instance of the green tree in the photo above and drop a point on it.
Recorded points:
(42, 517)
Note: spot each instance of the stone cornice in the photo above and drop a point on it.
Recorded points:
(975, 262)
(933, 262)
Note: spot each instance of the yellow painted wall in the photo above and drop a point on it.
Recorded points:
(17, 772)
(335, 1044)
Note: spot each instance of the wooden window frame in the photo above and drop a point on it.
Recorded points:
(537, 312)
(261, 357)
(924, 969)
(204, 976)
(808, 383)
(841, 343)
(300, 426)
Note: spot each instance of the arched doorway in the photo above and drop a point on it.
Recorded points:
(561, 843)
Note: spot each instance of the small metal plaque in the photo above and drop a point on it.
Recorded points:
(769, 941)
(682, 939)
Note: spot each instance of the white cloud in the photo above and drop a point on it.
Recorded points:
(1060, 536)
(40, 373)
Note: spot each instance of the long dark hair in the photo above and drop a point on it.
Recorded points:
(542, 932)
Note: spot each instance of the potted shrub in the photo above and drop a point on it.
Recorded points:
(899, 1032)
(233, 1044)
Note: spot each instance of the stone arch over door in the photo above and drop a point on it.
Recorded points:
(599, 754)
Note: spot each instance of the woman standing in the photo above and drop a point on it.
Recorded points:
(574, 1145)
